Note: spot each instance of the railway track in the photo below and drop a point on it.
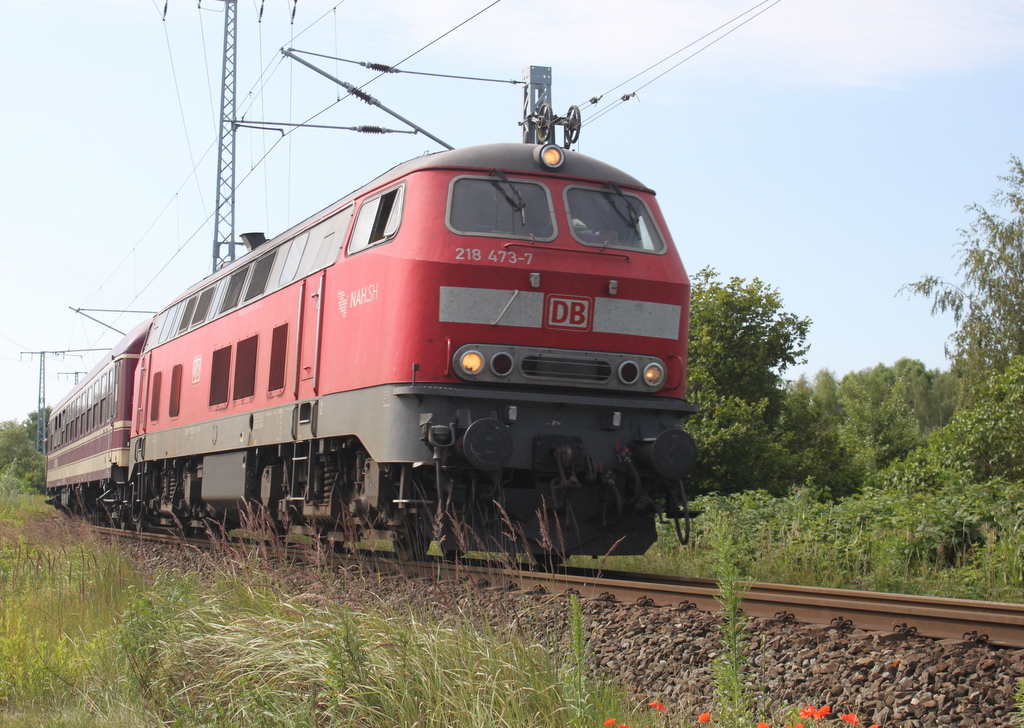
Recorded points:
(899, 615)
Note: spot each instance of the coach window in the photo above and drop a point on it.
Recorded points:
(154, 397)
(378, 220)
(610, 218)
(115, 397)
(234, 292)
(174, 403)
(500, 207)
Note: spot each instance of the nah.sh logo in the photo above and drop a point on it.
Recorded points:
(568, 312)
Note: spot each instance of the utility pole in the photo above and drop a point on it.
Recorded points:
(224, 215)
(41, 411)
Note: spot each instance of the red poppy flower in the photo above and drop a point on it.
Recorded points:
(610, 721)
(808, 712)
(657, 706)
(704, 717)
(849, 718)
(763, 725)
(823, 711)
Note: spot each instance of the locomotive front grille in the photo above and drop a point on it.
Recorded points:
(500, 364)
(576, 369)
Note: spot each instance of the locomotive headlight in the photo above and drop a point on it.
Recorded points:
(501, 363)
(472, 362)
(551, 156)
(628, 372)
(654, 374)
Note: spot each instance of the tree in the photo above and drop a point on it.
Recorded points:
(877, 428)
(18, 456)
(741, 342)
(987, 439)
(988, 302)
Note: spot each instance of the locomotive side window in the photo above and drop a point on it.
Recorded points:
(203, 305)
(291, 263)
(168, 322)
(260, 276)
(499, 207)
(174, 405)
(154, 397)
(378, 220)
(334, 239)
(186, 316)
(220, 368)
(245, 368)
(234, 291)
(278, 356)
(611, 218)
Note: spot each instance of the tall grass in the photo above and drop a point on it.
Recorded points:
(89, 637)
(966, 543)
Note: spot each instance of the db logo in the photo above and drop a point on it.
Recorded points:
(568, 312)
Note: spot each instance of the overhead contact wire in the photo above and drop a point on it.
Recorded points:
(630, 95)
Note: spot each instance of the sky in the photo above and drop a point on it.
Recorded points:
(828, 149)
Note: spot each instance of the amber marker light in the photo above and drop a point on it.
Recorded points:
(551, 156)
(472, 362)
(654, 374)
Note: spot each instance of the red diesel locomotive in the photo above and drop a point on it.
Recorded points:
(484, 347)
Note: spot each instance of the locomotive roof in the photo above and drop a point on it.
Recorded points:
(511, 157)
(506, 156)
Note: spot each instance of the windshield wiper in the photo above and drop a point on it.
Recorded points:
(515, 199)
(633, 220)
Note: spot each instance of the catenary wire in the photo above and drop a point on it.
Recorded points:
(595, 99)
(630, 95)
(262, 80)
(389, 70)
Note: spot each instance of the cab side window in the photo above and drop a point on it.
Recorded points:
(378, 220)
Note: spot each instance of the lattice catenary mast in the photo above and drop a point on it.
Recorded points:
(224, 215)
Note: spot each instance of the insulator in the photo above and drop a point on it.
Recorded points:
(371, 129)
(362, 95)
(382, 67)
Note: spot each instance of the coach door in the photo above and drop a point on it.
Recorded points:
(310, 334)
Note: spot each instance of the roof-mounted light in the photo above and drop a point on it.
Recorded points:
(550, 156)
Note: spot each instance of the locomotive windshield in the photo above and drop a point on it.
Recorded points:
(611, 218)
(500, 207)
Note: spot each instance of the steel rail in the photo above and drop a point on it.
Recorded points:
(899, 615)
(903, 615)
